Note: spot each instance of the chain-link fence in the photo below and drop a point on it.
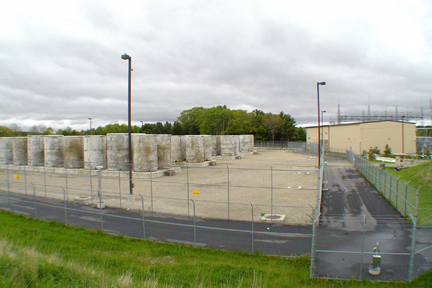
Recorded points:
(398, 193)
(374, 248)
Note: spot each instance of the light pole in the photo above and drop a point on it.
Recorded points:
(319, 125)
(90, 124)
(127, 57)
(403, 138)
(322, 128)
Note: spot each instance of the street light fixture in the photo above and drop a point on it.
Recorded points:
(319, 125)
(127, 57)
(90, 124)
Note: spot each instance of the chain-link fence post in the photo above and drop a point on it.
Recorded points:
(312, 258)
(34, 200)
(25, 180)
(66, 180)
(91, 183)
(187, 188)
(99, 194)
(151, 188)
(228, 191)
(406, 195)
(45, 186)
(64, 203)
(252, 229)
(413, 242)
(143, 216)
(363, 244)
(271, 200)
(8, 185)
(194, 221)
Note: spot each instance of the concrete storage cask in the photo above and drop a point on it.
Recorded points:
(163, 142)
(35, 150)
(95, 151)
(207, 147)
(118, 151)
(19, 151)
(53, 150)
(226, 145)
(246, 143)
(194, 149)
(144, 149)
(236, 144)
(6, 155)
(73, 151)
(176, 149)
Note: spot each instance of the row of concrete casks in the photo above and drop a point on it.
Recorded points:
(200, 148)
(149, 152)
(54, 151)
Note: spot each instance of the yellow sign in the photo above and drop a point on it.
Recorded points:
(195, 192)
(16, 176)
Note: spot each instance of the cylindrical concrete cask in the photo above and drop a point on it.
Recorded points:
(214, 145)
(6, 155)
(176, 151)
(19, 150)
(118, 151)
(246, 143)
(207, 147)
(53, 149)
(226, 145)
(236, 144)
(163, 142)
(144, 153)
(194, 149)
(35, 150)
(73, 151)
(95, 151)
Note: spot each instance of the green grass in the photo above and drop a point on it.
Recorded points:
(419, 175)
(34, 253)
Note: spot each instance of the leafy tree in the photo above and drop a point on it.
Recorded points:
(48, 131)
(177, 128)
(214, 121)
(68, 132)
(240, 123)
(6, 131)
(190, 120)
(273, 124)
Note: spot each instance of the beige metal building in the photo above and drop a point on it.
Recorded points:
(400, 136)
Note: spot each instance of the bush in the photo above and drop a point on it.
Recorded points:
(387, 150)
(372, 152)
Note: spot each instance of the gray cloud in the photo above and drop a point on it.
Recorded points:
(61, 70)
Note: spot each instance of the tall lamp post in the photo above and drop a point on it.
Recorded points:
(403, 136)
(90, 124)
(322, 127)
(319, 123)
(127, 57)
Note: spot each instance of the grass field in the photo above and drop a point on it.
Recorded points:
(34, 253)
(419, 175)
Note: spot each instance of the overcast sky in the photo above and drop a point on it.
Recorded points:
(60, 61)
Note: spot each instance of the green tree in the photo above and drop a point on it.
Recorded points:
(273, 124)
(67, 132)
(190, 120)
(240, 123)
(259, 130)
(48, 131)
(177, 128)
(6, 131)
(214, 121)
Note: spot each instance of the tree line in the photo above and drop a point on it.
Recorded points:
(218, 120)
